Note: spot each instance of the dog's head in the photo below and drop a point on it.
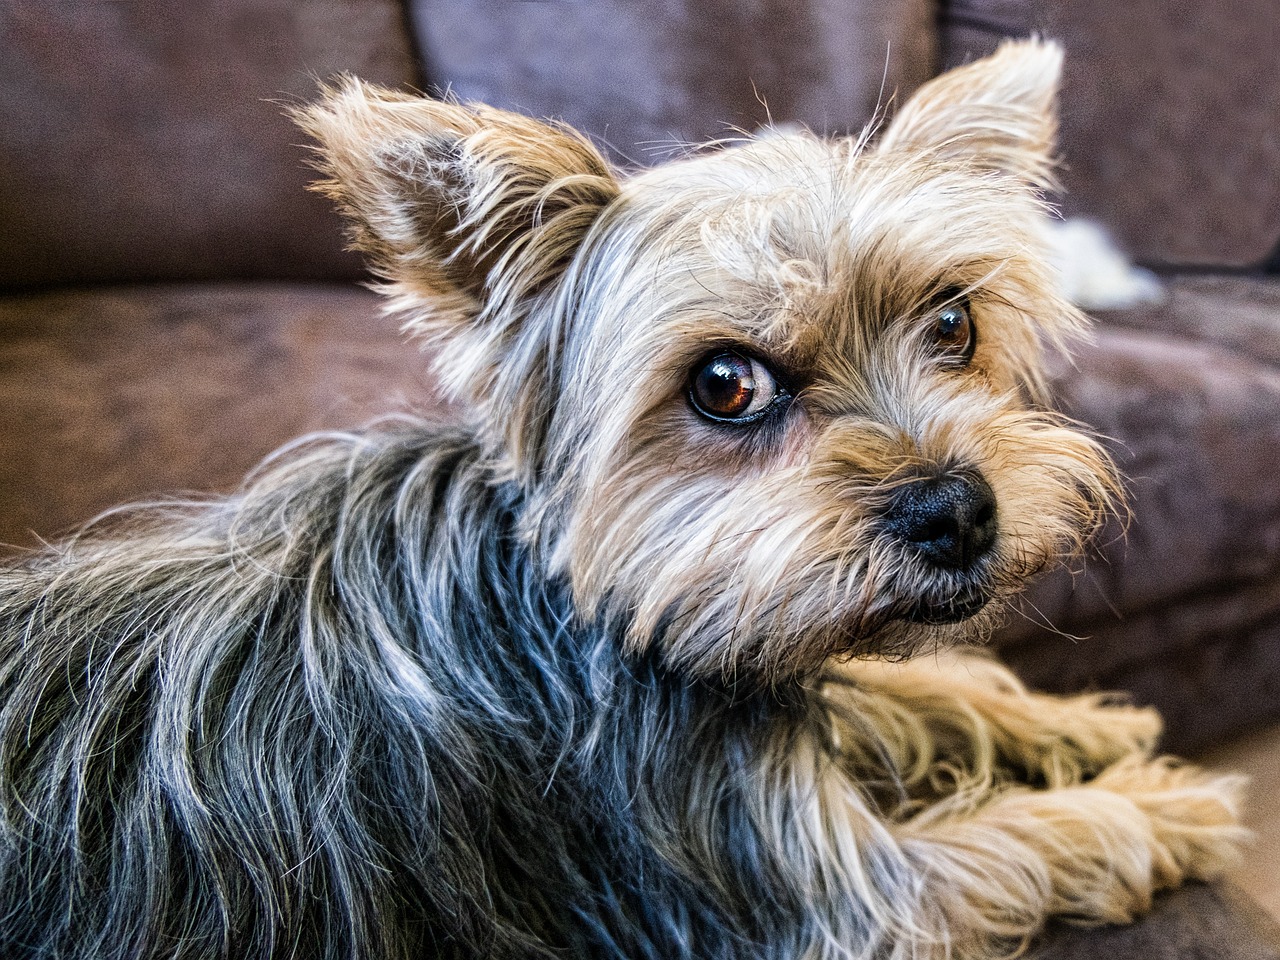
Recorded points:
(771, 403)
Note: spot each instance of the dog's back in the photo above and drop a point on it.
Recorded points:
(276, 725)
(342, 715)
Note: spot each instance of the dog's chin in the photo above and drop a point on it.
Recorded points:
(939, 611)
(904, 627)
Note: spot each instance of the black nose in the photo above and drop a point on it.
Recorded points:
(950, 520)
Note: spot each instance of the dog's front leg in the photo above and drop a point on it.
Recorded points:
(994, 868)
(978, 872)
(970, 717)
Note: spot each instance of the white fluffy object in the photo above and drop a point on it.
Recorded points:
(1095, 274)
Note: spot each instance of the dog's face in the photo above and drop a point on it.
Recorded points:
(771, 403)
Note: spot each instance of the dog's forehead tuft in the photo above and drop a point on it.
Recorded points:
(801, 220)
(751, 167)
(794, 197)
(763, 212)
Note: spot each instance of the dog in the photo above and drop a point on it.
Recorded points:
(663, 644)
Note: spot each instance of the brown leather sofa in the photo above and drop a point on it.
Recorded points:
(174, 304)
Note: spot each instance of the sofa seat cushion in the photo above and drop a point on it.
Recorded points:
(1184, 609)
(1240, 313)
(1194, 922)
(119, 394)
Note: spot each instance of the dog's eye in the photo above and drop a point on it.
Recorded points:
(953, 332)
(731, 387)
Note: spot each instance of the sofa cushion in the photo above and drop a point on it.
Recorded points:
(1184, 610)
(140, 141)
(1239, 313)
(1194, 922)
(1170, 117)
(117, 395)
(649, 79)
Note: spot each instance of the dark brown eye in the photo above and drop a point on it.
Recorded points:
(954, 333)
(731, 387)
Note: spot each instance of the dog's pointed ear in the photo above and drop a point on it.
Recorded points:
(999, 112)
(463, 209)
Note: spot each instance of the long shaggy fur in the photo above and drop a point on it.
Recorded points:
(342, 716)
(589, 676)
(337, 716)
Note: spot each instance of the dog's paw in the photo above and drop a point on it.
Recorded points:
(1097, 732)
(1068, 740)
(1194, 815)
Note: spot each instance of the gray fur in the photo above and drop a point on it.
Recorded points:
(341, 715)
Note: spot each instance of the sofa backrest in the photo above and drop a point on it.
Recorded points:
(648, 79)
(145, 140)
(1170, 118)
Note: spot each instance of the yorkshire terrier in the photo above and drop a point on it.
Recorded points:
(617, 662)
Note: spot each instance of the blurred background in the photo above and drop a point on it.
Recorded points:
(174, 304)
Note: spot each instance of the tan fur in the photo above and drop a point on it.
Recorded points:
(467, 212)
(928, 748)
(823, 257)
(569, 305)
